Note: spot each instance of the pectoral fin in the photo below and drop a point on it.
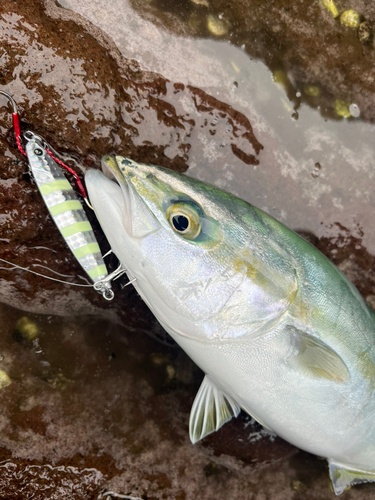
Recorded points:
(343, 478)
(315, 359)
(211, 409)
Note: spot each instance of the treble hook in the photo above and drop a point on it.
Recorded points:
(16, 120)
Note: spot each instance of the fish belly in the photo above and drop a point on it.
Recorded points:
(330, 419)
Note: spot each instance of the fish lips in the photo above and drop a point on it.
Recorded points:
(113, 191)
(107, 200)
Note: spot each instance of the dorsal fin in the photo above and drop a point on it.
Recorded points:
(315, 359)
(211, 409)
(343, 478)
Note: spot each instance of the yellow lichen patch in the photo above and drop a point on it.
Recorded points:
(366, 366)
(311, 90)
(4, 379)
(330, 6)
(350, 18)
(201, 2)
(217, 26)
(27, 328)
(280, 77)
(342, 109)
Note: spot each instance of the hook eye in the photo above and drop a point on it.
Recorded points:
(30, 136)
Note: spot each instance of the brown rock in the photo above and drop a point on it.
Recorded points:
(91, 407)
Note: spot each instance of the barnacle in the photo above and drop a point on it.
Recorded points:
(350, 18)
(216, 25)
(342, 109)
(27, 328)
(330, 5)
(365, 33)
(4, 379)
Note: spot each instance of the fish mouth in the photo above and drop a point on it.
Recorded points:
(112, 171)
(138, 219)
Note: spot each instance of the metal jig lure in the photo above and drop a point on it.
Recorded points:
(64, 207)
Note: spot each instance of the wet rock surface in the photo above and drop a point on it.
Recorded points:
(300, 43)
(313, 173)
(95, 407)
(86, 108)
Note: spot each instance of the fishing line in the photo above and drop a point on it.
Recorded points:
(66, 211)
(117, 495)
(98, 286)
(30, 135)
(60, 274)
(16, 266)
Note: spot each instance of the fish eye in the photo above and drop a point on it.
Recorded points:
(180, 223)
(38, 151)
(185, 220)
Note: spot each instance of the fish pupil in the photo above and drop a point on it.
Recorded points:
(180, 223)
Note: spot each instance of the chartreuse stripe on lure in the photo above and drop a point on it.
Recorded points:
(279, 331)
(66, 210)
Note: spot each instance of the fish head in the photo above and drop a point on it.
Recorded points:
(183, 241)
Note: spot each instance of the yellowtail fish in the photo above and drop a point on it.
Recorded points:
(278, 330)
(68, 214)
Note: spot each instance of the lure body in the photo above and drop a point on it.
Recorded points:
(66, 211)
(279, 331)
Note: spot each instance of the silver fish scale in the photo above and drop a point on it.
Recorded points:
(79, 240)
(58, 197)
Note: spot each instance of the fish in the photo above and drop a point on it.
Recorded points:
(68, 214)
(275, 326)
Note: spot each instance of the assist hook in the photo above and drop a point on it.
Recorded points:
(16, 120)
(30, 135)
